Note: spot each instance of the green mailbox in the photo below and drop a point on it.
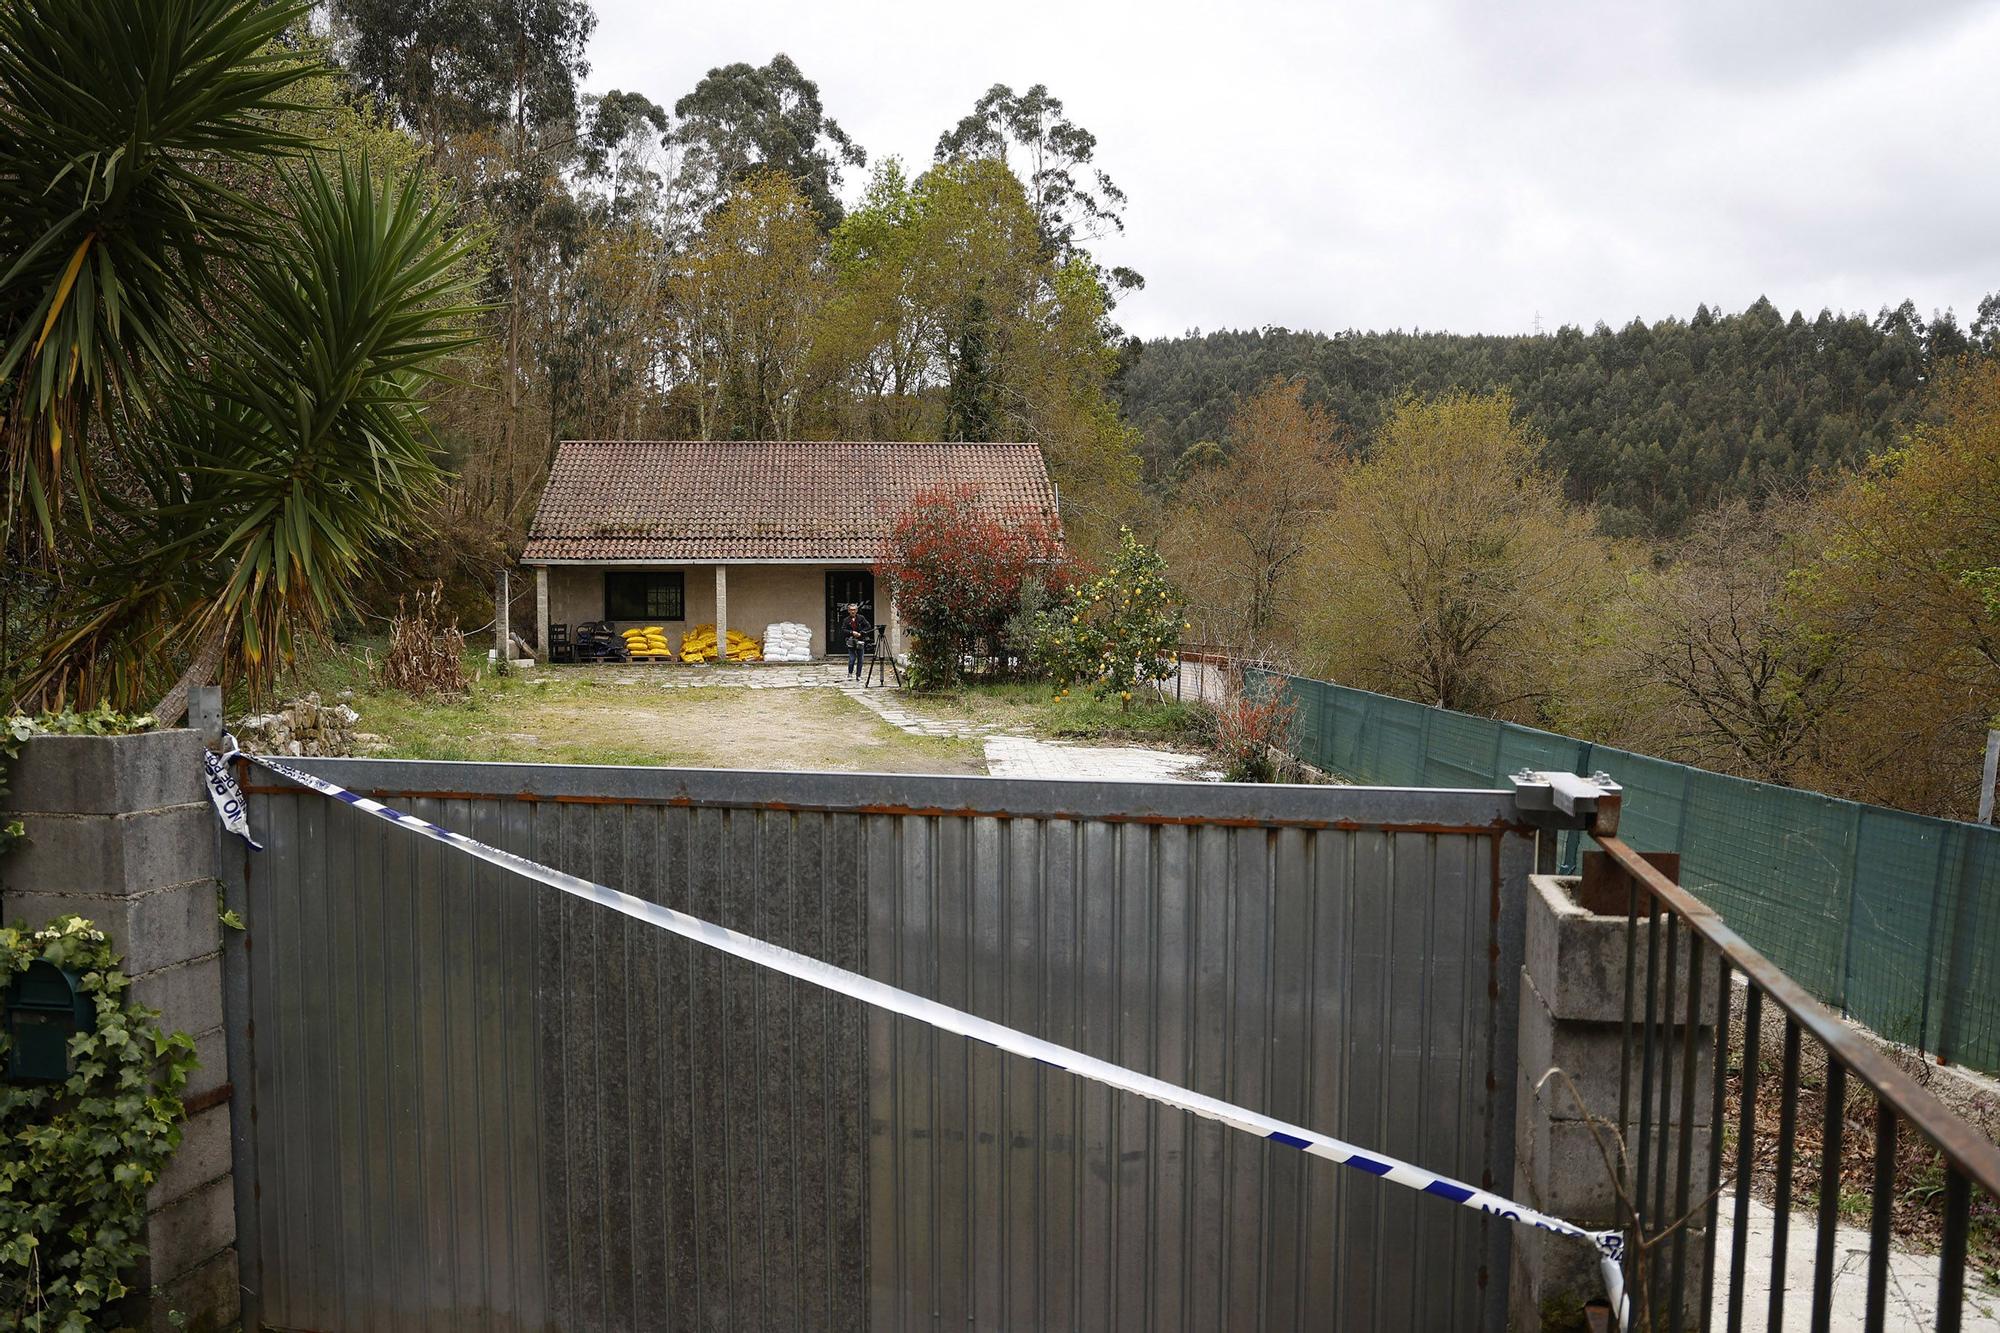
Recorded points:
(44, 1007)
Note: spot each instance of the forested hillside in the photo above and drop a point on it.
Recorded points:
(1652, 424)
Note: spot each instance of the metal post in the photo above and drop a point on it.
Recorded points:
(205, 713)
(1989, 775)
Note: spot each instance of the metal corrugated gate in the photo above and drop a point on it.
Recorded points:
(472, 1102)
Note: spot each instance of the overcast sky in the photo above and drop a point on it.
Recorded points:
(1443, 164)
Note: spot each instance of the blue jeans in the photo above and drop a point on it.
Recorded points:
(854, 657)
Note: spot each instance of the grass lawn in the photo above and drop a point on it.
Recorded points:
(1033, 707)
(574, 717)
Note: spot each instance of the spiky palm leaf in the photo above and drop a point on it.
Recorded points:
(116, 115)
(304, 444)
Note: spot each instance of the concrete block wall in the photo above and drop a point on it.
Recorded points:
(120, 830)
(1571, 1019)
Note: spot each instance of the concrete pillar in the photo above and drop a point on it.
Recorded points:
(542, 611)
(502, 630)
(1571, 1019)
(721, 614)
(120, 830)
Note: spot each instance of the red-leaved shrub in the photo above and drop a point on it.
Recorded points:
(1252, 724)
(958, 570)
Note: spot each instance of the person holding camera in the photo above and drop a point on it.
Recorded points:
(860, 633)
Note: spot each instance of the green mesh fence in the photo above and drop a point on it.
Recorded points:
(1893, 918)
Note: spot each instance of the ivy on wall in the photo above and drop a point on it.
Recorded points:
(12, 733)
(78, 1157)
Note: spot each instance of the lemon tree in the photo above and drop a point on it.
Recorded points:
(1116, 632)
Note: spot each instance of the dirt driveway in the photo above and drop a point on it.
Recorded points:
(578, 720)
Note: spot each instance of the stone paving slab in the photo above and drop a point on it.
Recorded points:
(1912, 1287)
(1030, 757)
(887, 704)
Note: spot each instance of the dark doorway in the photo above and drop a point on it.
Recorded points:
(844, 586)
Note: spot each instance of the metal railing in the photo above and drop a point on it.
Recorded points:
(1673, 1187)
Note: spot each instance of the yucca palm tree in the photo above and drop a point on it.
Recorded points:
(254, 365)
(262, 485)
(118, 116)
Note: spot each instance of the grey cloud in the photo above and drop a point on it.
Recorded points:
(1447, 163)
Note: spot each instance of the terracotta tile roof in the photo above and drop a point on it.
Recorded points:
(673, 500)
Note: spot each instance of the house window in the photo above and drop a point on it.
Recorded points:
(645, 594)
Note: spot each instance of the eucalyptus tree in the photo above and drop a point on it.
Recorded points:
(745, 120)
(1652, 424)
(622, 150)
(447, 67)
(1074, 200)
(1985, 330)
(749, 296)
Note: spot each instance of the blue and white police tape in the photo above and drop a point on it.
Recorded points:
(221, 784)
(1609, 1244)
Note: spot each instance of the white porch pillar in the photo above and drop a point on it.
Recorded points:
(721, 614)
(542, 611)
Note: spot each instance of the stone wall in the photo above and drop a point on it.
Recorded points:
(302, 727)
(120, 830)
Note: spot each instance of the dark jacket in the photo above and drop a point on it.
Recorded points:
(857, 624)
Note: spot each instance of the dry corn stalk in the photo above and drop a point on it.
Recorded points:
(425, 655)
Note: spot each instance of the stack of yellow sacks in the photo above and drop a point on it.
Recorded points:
(699, 646)
(648, 643)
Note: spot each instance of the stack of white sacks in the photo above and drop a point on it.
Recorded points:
(787, 642)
